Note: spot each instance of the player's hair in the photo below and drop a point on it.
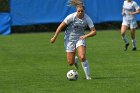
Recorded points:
(76, 3)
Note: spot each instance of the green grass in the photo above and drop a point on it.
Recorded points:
(30, 64)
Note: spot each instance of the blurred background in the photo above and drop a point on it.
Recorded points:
(26, 16)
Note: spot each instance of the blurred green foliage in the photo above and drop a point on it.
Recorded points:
(4, 6)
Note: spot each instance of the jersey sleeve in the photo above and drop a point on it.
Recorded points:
(89, 22)
(124, 4)
(136, 5)
(68, 19)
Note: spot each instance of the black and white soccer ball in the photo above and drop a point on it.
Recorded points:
(72, 75)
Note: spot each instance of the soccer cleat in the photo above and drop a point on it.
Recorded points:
(76, 62)
(134, 49)
(126, 46)
(88, 78)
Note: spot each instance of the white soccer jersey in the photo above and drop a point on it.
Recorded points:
(76, 27)
(130, 7)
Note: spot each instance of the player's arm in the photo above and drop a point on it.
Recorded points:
(90, 34)
(91, 26)
(66, 21)
(123, 13)
(137, 8)
(136, 12)
(60, 27)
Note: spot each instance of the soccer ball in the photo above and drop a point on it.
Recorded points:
(72, 75)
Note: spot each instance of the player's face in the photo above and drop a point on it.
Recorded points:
(80, 12)
(129, 0)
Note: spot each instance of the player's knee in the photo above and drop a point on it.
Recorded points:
(122, 34)
(133, 37)
(82, 58)
(70, 63)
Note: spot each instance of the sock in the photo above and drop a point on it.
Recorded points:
(134, 42)
(86, 68)
(76, 60)
(72, 66)
(125, 39)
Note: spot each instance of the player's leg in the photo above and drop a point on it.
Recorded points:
(76, 62)
(70, 53)
(123, 30)
(133, 39)
(70, 58)
(133, 26)
(81, 53)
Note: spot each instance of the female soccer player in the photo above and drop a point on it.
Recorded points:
(130, 8)
(74, 35)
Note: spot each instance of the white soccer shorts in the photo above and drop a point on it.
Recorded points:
(130, 23)
(70, 46)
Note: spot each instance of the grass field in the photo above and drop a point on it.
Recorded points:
(30, 64)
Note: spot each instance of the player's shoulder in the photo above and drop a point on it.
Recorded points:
(134, 2)
(72, 14)
(69, 18)
(125, 2)
(87, 17)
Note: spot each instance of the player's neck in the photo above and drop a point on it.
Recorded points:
(129, 0)
(80, 16)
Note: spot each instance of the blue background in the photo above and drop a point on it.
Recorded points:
(5, 23)
(28, 12)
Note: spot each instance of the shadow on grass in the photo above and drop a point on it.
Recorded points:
(112, 77)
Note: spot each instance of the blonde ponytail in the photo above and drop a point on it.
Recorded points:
(75, 3)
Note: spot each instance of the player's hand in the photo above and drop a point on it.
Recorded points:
(130, 13)
(52, 40)
(123, 13)
(82, 37)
